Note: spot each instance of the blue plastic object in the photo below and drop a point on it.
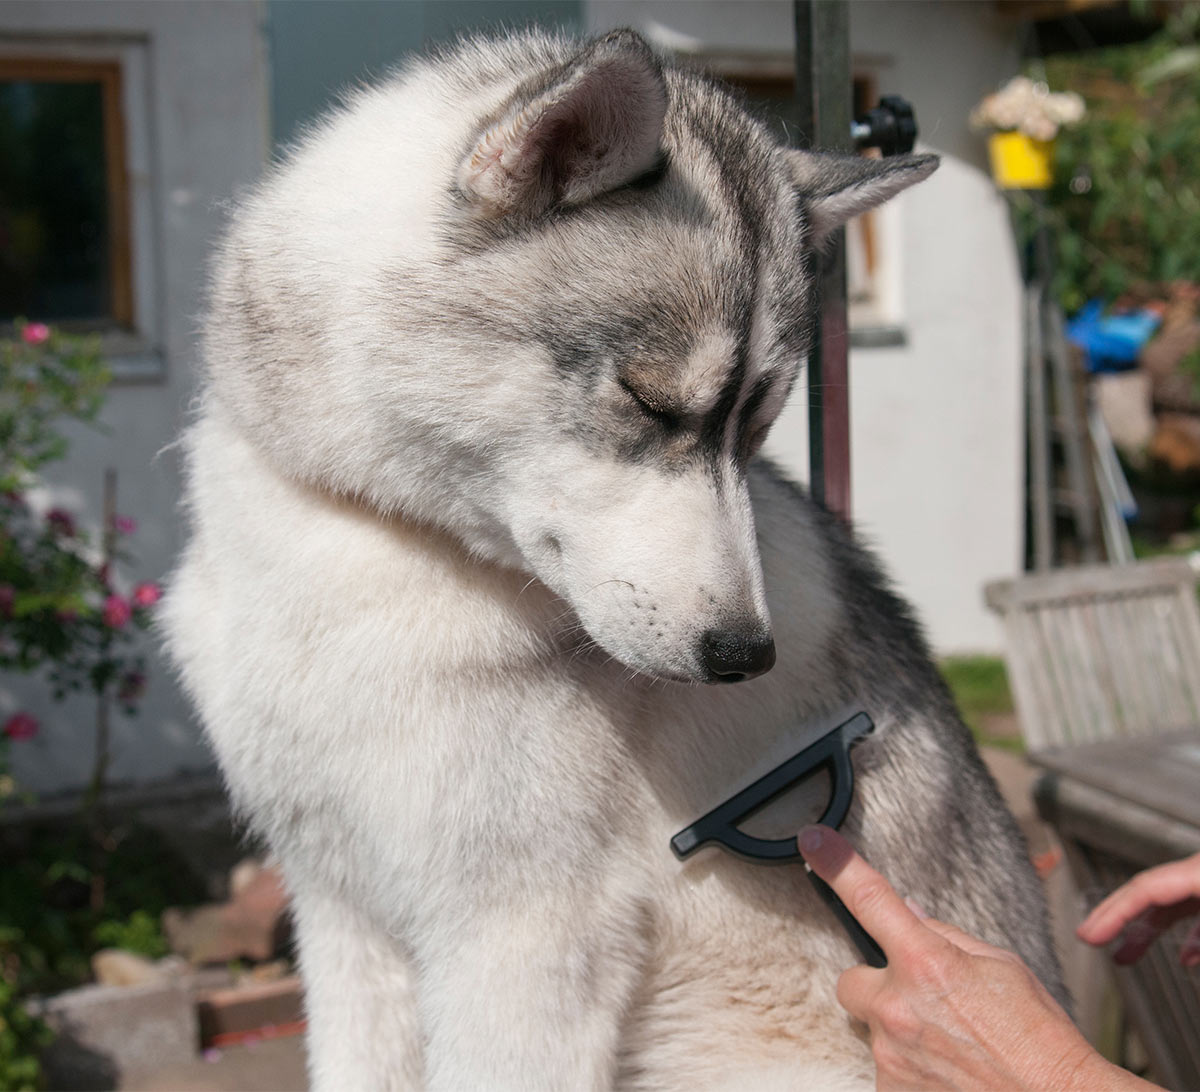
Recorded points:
(1111, 343)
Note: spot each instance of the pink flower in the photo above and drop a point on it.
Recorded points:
(116, 611)
(20, 726)
(124, 525)
(34, 333)
(146, 595)
(61, 522)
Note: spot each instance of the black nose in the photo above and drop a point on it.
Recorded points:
(731, 656)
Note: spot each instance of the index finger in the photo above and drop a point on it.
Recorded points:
(867, 894)
(1164, 885)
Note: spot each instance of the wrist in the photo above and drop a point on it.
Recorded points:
(1088, 1071)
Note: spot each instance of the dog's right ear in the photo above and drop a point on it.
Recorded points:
(596, 127)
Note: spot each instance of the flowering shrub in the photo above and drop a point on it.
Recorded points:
(44, 376)
(1028, 107)
(64, 618)
(61, 614)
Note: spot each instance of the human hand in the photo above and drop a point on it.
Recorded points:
(949, 1011)
(1141, 909)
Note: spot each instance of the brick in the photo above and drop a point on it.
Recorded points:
(249, 1007)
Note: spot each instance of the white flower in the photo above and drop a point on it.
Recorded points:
(1029, 107)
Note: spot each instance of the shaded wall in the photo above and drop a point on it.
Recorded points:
(319, 47)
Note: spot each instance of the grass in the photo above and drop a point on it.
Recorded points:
(980, 687)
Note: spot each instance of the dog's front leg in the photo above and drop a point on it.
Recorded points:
(530, 996)
(362, 1016)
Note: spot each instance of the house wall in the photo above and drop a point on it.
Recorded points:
(216, 83)
(935, 422)
(319, 47)
(198, 133)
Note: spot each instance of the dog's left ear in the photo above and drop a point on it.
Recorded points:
(597, 126)
(836, 187)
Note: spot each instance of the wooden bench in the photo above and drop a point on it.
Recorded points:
(1104, 664)
(1102, 652)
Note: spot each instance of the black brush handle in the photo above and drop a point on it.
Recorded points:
(865, 943)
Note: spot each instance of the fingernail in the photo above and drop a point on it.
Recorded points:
(810, 839)
(916, 908)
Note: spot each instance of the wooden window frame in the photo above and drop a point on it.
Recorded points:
(108, 75)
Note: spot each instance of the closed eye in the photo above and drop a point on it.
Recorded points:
(664, 413)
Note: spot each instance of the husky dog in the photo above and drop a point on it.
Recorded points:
(476, 513)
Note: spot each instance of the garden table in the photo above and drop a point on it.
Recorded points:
(1120, 806)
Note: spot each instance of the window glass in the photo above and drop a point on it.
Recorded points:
(57, 260)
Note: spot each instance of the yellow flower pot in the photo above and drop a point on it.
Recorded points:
(1021, 163)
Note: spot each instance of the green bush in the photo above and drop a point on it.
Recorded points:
(1126, 195)
(21, 1039)
(68, 893)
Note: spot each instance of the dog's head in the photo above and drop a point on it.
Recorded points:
(569, 357)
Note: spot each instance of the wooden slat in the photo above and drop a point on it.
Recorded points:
(1072, 686)
(1047, 712)
(1176, 693)
(1104, 669)
(1160, 774)
(1133, 680)
(1188, 619)
(1088, 660)
(1099, 652)
(1026, 685)
(1090, 582)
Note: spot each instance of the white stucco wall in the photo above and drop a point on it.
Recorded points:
(935, 424)
(201, 134)
(936, 432)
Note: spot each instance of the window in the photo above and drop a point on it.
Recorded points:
(64, 201)
(79, 202)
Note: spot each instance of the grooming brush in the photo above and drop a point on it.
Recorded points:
(832, 753)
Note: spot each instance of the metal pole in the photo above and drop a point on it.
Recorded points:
(823, 115)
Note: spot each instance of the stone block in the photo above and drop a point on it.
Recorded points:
(106, 1034)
